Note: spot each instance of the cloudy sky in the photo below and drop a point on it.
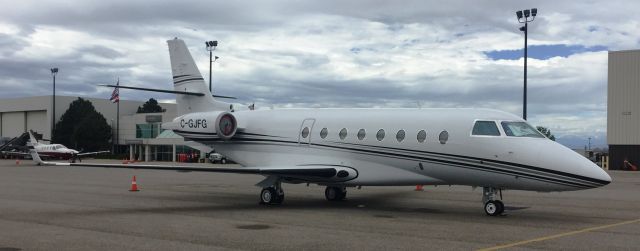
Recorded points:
(332, 53)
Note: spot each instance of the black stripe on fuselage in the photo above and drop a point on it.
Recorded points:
(486, 167)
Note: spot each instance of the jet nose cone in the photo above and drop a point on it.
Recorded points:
(604, 177)
(596, 173)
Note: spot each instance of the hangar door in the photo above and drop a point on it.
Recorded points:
(37, 121)
(13, 124)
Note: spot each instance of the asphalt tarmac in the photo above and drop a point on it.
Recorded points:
(82, 208)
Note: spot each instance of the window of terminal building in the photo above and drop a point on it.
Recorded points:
(148, 131)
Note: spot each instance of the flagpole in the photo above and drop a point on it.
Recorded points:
(118, 115)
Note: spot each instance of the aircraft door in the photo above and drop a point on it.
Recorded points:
(305, 132)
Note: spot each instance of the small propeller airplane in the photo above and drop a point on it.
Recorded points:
(344, 148)
(53, 151)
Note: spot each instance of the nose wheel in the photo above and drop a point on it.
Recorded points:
(492, 205)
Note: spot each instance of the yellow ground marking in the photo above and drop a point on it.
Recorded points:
(559, 235)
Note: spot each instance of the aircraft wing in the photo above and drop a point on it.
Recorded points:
(298, 173)
(15, 153)
(92, 153)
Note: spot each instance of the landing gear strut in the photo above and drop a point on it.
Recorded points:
(272, 195)
(492, 205)
(335, 193)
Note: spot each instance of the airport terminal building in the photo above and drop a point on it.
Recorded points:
(140, 132)
(623, 108)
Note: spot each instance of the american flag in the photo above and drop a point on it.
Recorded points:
(115, 95)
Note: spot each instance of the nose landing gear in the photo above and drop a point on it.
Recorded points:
(492, 205)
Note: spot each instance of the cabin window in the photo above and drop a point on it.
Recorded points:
(380, 135)
(361, 134)
(485, 128)
(443, 137)
(324, 132)
(400, 135)
(305, 132)
(422, 136)
(343, 133)
(520, 129)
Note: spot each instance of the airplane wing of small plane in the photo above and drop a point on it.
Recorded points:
(92, 153)
(301, 173)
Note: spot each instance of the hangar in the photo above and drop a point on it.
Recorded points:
(623, 108)
(141, 132)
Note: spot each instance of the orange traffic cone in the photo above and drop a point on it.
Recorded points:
(125, 161)
(17, 162)
(419, 188)
(134, 185)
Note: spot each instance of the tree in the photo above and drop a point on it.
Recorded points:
(150, 106)
(546, 132)
(83, 128)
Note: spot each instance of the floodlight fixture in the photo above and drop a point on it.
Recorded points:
(534, 12)
(211, 46)
(519, 14)
(527, 13)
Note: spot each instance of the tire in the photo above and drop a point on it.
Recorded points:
(335, 193)
(279, 198)
(500, 207)
(492, 208)
(223, 161)
(268, 196)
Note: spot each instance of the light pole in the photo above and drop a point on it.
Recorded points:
(525, 17)
(54, 71)
(211, 46)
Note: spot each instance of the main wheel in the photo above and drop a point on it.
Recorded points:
(500, 207)
(223, 161)
(493, 207)
(335, 193)
(268, 196)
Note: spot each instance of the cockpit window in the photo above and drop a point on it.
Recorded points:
(486, 128)
(520, 129)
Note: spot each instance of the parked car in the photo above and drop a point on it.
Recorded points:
(217, 158)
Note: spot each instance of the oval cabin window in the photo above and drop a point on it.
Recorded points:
(343, 133)
(324, 132)
(361, 134)
(422, 136)
(443, 137)
(380, 135)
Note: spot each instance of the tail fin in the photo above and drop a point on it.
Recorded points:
(187, 77)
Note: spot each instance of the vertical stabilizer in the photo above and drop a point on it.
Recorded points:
(187, 77)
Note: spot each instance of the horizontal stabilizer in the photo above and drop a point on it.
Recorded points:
(199, 94)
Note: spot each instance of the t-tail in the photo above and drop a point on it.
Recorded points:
(187, 78)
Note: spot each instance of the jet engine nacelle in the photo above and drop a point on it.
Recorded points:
(202, 125)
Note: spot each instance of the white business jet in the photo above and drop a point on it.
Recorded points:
(341, 148)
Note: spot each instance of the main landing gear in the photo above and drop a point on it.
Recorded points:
(272, 195)
(335, 193)
(492, 205)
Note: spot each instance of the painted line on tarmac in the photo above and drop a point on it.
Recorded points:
(560, 235)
